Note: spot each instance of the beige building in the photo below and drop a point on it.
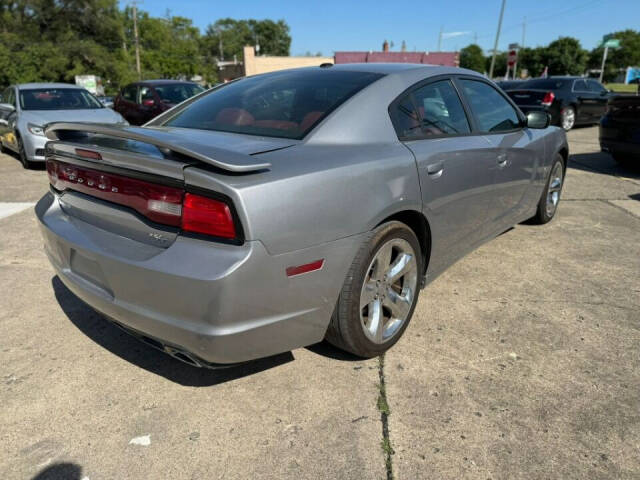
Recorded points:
(262, 64)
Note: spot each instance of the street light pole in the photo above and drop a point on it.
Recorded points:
(495, 45)
(604, 59)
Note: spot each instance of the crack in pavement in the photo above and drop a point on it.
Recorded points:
(383, 407)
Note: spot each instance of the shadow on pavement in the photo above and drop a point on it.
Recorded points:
(325, 349)
(114, 339)
(60, 471)
(601, 162)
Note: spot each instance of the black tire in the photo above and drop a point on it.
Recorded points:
(22, 155)
(542, 215)
(567, 112)
(345, 329)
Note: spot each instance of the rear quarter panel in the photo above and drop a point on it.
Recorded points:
(315, 194)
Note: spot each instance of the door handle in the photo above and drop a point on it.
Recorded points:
(435, 169)
(502, 160)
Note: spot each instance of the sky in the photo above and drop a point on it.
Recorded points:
(339, 25)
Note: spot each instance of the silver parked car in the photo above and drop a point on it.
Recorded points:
(281, 209)
(26, 109)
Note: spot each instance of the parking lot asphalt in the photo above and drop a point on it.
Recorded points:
(521, 361)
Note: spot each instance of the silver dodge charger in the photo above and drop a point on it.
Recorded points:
(279, 210)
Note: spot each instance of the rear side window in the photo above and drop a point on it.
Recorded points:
(146, 93)
(440, 109)
(432, 110)
(595, 86)
(285, 104)
(492, 112)
(580, 86)
(129, 93)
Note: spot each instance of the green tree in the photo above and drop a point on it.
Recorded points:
(534, 60)
(500, 67)
(628, 55)
(565, 56)
(471, 57)
(227, 37)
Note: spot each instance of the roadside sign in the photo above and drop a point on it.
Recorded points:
(512, 57)
(514, 46)
(612, 43)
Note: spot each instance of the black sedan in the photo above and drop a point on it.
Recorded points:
(569, 100)
(620, 129)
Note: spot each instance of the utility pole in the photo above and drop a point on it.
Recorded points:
(135, 36)
(440, 39)
(495, 45)
(219, 32)
(515, 65)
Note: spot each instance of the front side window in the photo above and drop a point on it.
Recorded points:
(129, 93)
(177, 93)
(58, 99)
(492, 112)
(285, 104)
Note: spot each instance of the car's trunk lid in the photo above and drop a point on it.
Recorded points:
(527, 97)
(94, 165)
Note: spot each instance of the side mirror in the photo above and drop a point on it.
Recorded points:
(7, 106)
(538, 119)
(149, 102)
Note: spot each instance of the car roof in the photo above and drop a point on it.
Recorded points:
(27, 86)
(162, 82)
(392, 69)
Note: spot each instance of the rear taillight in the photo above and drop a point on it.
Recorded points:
(207, 216)
(162, 204)
(548, 99)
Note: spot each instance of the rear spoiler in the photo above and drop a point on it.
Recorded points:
(165, 141)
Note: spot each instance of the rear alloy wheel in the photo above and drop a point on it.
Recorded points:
(380, 293)
(548, 204)
(567, 118)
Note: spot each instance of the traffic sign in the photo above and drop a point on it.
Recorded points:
(611, 43)
(512, 57)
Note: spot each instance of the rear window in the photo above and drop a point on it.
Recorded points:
(283, 104)
(544, 84)
(176, 93)
(58, 99)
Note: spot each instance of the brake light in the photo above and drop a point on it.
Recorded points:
(207, 216)
(160, 203)
(88, 154)
(548, 99)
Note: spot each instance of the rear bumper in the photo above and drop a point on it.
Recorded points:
(219, 304)
(620, 139)
(623, 148)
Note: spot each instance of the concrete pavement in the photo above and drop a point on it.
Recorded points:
(521, 362)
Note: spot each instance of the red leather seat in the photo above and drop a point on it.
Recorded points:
(234, 116)
(309, 119)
